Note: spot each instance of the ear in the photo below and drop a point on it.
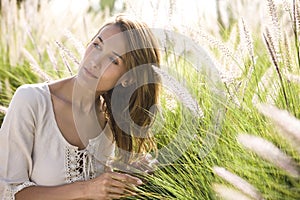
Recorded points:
(127, 82)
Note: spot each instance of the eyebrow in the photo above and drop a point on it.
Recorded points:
(101, 40)
(118, 55)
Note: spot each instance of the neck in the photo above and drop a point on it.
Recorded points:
(72, 92)
(84, 98)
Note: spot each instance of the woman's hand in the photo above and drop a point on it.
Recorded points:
(146, 164)
(143, 165)
(111, 185)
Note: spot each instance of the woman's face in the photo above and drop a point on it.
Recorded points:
(103, 65)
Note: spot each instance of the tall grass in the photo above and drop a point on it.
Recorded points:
(252, 153)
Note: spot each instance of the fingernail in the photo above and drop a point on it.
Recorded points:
(139, 182)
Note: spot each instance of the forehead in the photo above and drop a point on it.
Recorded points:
(113, 38)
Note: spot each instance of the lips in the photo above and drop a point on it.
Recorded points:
(89, 73)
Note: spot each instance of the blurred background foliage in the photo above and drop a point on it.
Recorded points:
(254, 46)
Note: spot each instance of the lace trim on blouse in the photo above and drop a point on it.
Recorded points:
(11, 190)
(80, 165)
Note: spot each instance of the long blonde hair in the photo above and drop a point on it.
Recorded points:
(143, 53)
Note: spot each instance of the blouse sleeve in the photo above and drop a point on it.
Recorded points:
(16, 143)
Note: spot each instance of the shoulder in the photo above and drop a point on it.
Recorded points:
(30, 90)
(26, 101)
(30, 94)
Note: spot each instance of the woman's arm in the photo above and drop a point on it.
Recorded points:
(67, 192)
(16, 143)
(110, 185)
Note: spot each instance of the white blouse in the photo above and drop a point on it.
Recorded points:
(33, 151)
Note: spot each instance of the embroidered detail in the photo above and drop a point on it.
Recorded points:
(11, 190)
(88, 163)
(79, 165)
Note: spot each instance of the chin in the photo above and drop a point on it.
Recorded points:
(86, 82)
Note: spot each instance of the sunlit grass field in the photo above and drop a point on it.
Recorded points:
(246, 145)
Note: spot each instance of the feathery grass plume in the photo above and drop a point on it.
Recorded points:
(228, 193)
(13, 40)
(66, 63)
(171, 103)
(232, 94)
(35, 66)
(270, 46)
(287, 6)
(238, 182)
(171, 10)
(292, 77)
(3, 109)
(267, 85)
(8, 90)
(296, 24)
(63, 51)
(227, 52)
(234, 37)
(275, 27)
(52, 58)
(234, 44)
(287, 55)
(269, 152)
(296, 16)
(9, 21)
(249, 44)
(289, 124)
(29, 34)
(77, 44)
(67, 52)
(226, 76)
(3, 41)
(181, 92)
(228, 72)
(248, 39)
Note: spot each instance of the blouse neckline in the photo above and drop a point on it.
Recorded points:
(59, 131)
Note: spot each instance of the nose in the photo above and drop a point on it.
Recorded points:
(95, 65)
(92, 68)
(95, 59)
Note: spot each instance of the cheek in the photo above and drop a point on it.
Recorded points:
(112, 75)
(87, 50)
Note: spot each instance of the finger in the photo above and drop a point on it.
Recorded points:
(116, 190)
(126, 178)
(124, 185)
(129, 190)
(108, 169)
(117, 196)
(148, 158)
(118, 183)
(146, 163)
(146, 166)
(143, 167)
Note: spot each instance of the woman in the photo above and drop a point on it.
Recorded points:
(57, 138)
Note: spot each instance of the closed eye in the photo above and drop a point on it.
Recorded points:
(114, 60)
(97, 46)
